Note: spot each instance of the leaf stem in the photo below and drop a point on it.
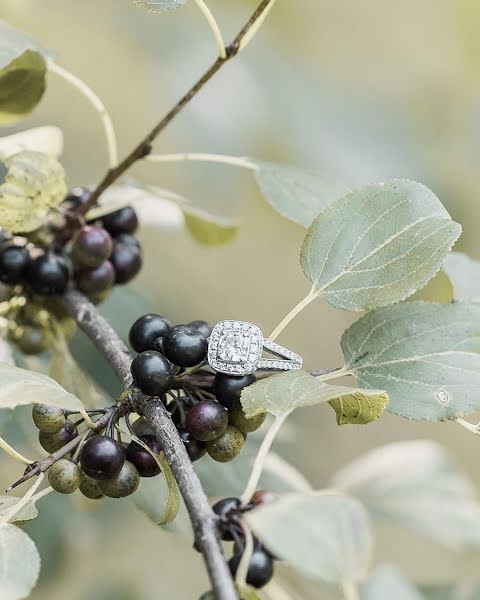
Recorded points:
(98, 105)
(217, 34)
(21, 503)
(242, 571)
(333, 374)
(13, 453)
(252, 32)
(234, 161)
(469, 426)
(260, 459)
(296, 310)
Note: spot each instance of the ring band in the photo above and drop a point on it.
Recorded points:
(236, 347)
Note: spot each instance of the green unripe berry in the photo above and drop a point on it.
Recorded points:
(51, 442)
(142, 427)
(32, 340)
(64, 476)
(124, 484)
(89, 487)
(238, 419)
(228, 446)
(49, 419)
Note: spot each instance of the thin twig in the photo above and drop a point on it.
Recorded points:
(145, 146)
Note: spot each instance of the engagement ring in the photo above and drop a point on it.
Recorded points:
(236, 348)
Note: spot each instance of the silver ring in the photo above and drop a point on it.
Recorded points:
(236, 347)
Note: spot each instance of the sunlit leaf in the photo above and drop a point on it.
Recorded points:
(47, 140)
(26, 513)
(22, 73)
(464, 275)
(209, 229)
(377, 245)
(388, 582)
(19, 563)
(296, 194)
(326, 536)
(416, 485)
(34, 183)
(19, 387)
(426, 356)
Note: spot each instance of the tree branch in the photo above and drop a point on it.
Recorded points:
(144, 147)
(104, 337)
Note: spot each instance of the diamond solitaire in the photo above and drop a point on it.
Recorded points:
(235, 348)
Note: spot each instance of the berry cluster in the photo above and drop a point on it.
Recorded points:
(169, 365)
(230, 511)
(39, 266)
(101, 467)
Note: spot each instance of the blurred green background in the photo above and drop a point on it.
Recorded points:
(359, 91)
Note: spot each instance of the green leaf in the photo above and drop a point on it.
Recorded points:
(388, 582)
(416, 485)
(282, 394)
(209, 229)
(296, 194)
(460, 591)
(26, 513)
(34, 184)
(22, 74)
(377, 245)
(159, 5)
(326, 536)
(19, 387)
(19, 563)
(464, 275)
(426, 357)
(47, 140)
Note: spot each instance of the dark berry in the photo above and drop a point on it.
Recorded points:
(152, 373)
(102, 457)
(123, 484)
(98, 279)
(89, 487)
(76, 197)
(14, 261)
(238, 419)
(228, 446)
(51, 442)
(228, 389)
(145, 463)
(146, 330)
(31, 340)
(185, 346)
(124, 220)
(260, 568)
(207, 420)
(127, 238)
(48, 274)
(91, 246)
(64, 476)
(203, 327)
(227, 509)
(126, 260)
(195, 448)
(49, 419)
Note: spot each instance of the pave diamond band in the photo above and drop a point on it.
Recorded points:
(236, 347)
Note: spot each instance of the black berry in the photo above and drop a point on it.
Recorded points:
(98, 279)
(127, 238)
(102, 457)
(145, 463)
(146, 330)
(49, 419)
(76, 197)
(48, 274)
(121, 221)
(227, 509)
(228, 389)
(91, 246)
(125, 482)
(184, 346)
(195, 448)
(228, 446)
(203, 327)
(14, 261)
(152, 373)
(260, 568)
(207, 420)
(64, 476)
(126, 260)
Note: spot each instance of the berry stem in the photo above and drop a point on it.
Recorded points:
(95, 101)
(13, 453)
(242, 571)
(217, 34)
(260, 459)
(296, 310)
(145, 146)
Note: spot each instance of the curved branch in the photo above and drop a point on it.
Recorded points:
(203, 519)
